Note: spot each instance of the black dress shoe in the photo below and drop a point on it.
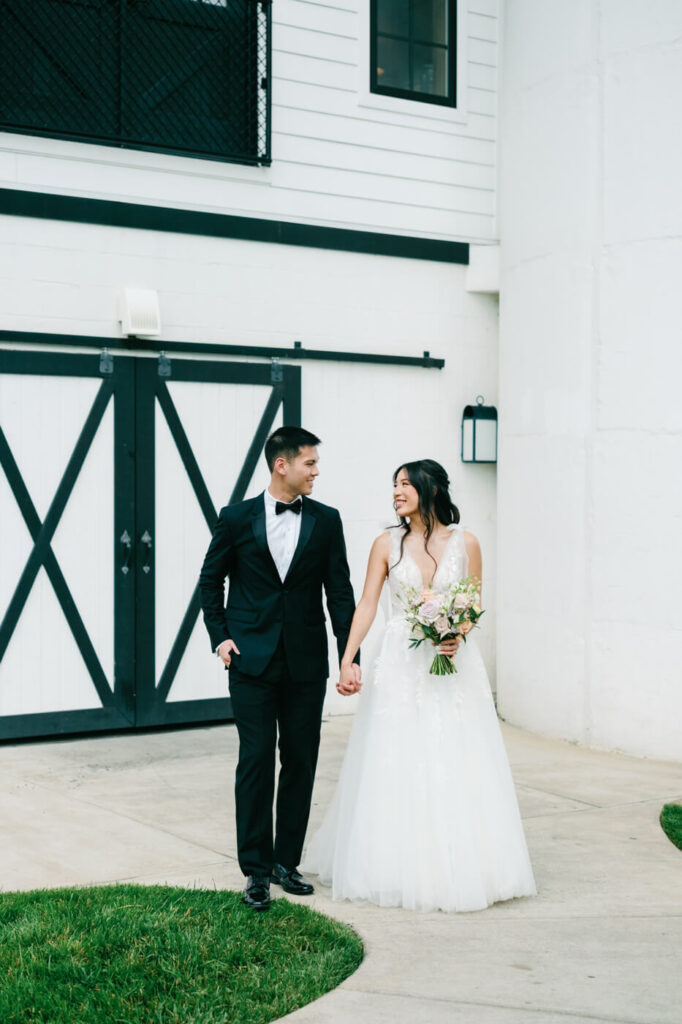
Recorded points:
(291, 881)
(257, 892)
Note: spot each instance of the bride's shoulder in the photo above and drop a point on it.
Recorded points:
(383, 541)
(467, 536)
(381, 545)
(470, 540)
(380, 553)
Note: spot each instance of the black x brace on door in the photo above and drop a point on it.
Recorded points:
(135, 690)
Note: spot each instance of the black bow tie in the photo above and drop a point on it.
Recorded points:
(295, 507)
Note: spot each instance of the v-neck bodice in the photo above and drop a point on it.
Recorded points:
(404, 571)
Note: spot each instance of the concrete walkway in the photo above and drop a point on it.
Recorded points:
(601, 942)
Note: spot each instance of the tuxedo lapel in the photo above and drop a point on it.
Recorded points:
(308, 520)
(260, 532)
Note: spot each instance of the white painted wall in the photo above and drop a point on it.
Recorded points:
(341, 156)
(65, 278)
(590, 488)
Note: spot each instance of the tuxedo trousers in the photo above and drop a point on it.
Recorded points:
(274, 709)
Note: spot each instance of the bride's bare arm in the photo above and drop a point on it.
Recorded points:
(473, 550)
(377, 570)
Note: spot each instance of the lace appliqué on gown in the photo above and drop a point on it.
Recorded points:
(425, 814)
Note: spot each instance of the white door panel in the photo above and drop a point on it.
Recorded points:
(42, 418)
(15, 546)
(220, 421)
(200, 674)
(182, 536)
(42, 670)
(83, 544)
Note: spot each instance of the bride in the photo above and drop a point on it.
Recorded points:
(425, 813)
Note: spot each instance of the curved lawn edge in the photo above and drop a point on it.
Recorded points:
(671, 823)
(146, 953)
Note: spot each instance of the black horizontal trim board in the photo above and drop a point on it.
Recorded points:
(132, 345)
(48, 724)
(211, 710)
(20, 203)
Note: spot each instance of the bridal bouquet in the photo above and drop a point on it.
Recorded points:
(442, 616)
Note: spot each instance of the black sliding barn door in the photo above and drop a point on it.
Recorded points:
(112, 470)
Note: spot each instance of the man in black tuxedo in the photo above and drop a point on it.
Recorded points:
(279, 551)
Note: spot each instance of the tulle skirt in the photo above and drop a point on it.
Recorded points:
(425, 814)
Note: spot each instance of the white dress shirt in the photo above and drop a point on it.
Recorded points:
(283, 532)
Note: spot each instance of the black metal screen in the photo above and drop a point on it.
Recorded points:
(181, 76)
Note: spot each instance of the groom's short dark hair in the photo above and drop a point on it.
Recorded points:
(287, 443)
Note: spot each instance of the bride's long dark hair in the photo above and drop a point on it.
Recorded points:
(432, 485)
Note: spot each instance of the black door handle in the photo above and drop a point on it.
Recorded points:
(146, 539)
(127, 542)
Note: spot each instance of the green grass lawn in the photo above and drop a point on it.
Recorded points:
(131, 954)
(671, 823)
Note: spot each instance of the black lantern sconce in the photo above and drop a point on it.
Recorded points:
(479, 432)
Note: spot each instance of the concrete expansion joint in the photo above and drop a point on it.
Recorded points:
(144, 824)
(656, 800)
(558, 796)
(485, 1004)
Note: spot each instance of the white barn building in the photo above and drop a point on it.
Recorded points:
(317, 195)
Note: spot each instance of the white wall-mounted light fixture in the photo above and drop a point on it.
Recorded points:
(479, 432)
(140, 314)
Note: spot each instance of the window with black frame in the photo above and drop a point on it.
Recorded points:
(178, 76)
(413, 49)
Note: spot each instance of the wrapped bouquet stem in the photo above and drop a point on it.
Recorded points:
(437, 617)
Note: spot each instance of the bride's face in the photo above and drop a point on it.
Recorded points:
(405, 496)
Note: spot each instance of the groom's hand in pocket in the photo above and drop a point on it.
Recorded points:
(225, 652)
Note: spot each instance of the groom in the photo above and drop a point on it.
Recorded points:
(279, 551)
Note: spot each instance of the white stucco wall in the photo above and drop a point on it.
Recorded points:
(590, 481)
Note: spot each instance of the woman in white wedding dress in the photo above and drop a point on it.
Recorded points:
(425, 814)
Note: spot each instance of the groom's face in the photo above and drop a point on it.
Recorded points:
(300, 472)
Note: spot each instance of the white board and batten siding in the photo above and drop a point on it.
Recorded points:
(341, 156)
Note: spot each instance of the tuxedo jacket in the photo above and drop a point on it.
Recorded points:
(260, 606)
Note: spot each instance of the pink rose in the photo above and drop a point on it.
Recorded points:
(443, 625)
(462, 601)
(429, 611)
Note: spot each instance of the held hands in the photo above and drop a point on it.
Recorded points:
(225, 652)
(350, 680)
